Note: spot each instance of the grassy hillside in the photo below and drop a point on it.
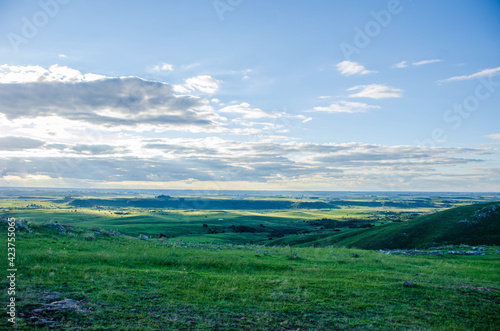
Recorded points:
(472, 225)
(121, 283)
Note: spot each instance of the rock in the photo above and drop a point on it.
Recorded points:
(55, 226)
(143, 237)
(66, 304)
(21, 226)
(52, 296)
(408, 284)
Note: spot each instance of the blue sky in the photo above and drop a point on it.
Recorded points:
(239, 94)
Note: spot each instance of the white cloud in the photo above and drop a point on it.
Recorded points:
(375, 91)
(346, 107)
(163, 67)
(246, 74)
(419, 63)
(191, 66)
(244, 108)
(482, 73)
(21, 74)
(348, 68)
(405, 64)
(402, 64)
(60, 91)
(62, 56)
(494, 136)
(47, 100)
(31, 74)
(203, 83)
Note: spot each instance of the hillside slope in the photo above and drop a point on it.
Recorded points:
(473, 225)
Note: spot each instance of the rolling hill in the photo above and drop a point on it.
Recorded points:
(477, 224)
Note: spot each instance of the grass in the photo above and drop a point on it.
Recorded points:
(189, 223)
(196, 280)
(130, 284)
(473, 225)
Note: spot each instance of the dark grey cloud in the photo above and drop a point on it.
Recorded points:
(136, 101)
(12, 143)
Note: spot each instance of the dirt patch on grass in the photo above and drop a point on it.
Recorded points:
(482, 289)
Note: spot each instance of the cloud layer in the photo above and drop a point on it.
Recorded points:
(221, 160)
(62, 126)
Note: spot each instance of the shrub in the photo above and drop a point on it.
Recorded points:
(88, 236)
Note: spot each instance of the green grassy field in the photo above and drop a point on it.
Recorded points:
(125, 283)
(252, 269)
(216, 226)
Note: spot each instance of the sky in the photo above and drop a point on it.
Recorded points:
(208, 95)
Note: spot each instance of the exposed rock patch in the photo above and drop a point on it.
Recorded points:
(55, 226)
(44, 315)
(411, 252)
